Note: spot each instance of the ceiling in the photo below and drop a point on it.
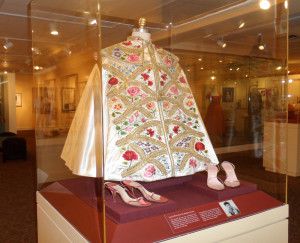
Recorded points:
(196, 25)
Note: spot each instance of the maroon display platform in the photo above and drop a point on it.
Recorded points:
(76, 200)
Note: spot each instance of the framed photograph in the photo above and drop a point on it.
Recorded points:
(228, 94)
(229, 208)
(18, 100)
(68, 99)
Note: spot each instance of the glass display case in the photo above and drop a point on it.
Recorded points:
(157, 119)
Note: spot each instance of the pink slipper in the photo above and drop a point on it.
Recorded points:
(231, 179)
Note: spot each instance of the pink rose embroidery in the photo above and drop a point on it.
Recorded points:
(168, 62)
(133, 91)
(131, 119)
(182, 80)
(174, 90)
(150, 106)
(149, 171)
(189, 103)
(150, 83)
(143, 119)
(133, 58)
(193, 163)
(166, 105)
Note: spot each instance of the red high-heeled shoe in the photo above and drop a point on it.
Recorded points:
(117, 189)
(150, 196)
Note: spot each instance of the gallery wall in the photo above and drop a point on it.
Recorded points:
(25, 115)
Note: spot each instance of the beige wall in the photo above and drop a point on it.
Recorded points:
(25, 116)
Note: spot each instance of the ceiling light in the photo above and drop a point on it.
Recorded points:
(237, 69)
(283, 81)
(202, 68)
(289, 96)
(199, 59)
(93, 22)
(54, 32)
(241, 24)
(264, 4)
(286, 4)
(37, 67)
(278, 68)
(220, 61)
(291, 81)
(5, 72)
(246, 75)
(230, 69)
(8, 44)
(188, 70)
(86, 12)
(289, 71)
(221, 43)
(213, 77)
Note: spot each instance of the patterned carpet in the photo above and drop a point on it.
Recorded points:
(18, 185)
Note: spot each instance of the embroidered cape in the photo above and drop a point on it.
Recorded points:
(152, 127)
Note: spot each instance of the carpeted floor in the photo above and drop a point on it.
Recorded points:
(18, 185)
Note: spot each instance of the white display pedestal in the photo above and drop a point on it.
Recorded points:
(282, 148)
(267, 226)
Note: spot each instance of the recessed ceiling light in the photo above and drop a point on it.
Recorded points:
(230, 69)
(241, 24)
(278, 68)
(199, 59)
(213, 77)
(202, 68)
(291, 81)
(220, 61)
(286, 4)
(283, 81)
(37, 67)
(246, 75)
(92, 22)
(289, 71)
(237, 69)
(260, 42)
(264, 4)
(54, 32)
(289, 96)
(86, 12)
(188, 70)
(5, 72)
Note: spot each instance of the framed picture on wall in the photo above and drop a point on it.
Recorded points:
(18, 100)
(68, 99)
(228, 94)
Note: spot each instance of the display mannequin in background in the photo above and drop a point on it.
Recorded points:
(214, 119)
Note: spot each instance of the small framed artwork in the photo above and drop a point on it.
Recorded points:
(18, 100)
(228, 94)
(68, 99)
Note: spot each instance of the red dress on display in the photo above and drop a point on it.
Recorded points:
(214, 120)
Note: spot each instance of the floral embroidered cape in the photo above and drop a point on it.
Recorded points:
(152, 127)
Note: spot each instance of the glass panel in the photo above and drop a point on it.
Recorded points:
(234, 58)
(65, 47)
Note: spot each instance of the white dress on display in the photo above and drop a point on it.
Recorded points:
(152, 129)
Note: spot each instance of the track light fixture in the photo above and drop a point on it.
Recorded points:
(221, 43)
(8, 44)
(261, 45)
